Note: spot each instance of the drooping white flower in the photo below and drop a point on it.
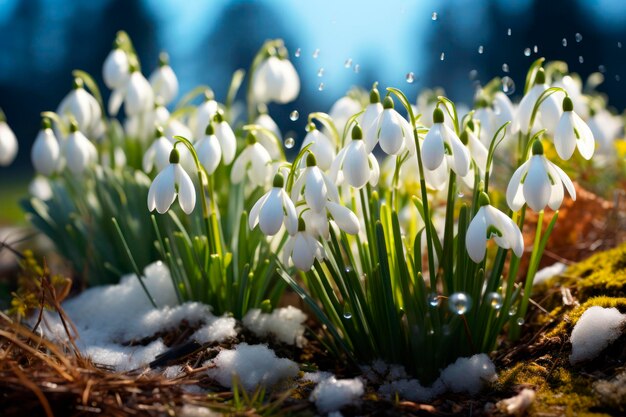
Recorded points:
(356, 164)
(574, 88)
(342, 110)
(270, 142)
(548, 112)
(138, 96)
(275, 79)
(203, 115)
(302, 249)
(492, 116)
(440, 142)
(81, 106)
(173, 181)
(78, 151)
(208, 150)
(372, 110)
(226, 138)
(538, 182)
(274, 209)
(46, 152)
(605, 127)
(488, 223)
(317, 187)
(254, 161)
(390, 129)
(158, 153)
(571, 133)
(478, 151)
(40, 188)
(8, 142)
(116, 69)
(321, 145)
(163, 80)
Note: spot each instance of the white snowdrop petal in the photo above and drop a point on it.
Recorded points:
(260, 160)
(302, 256)
(460, 154)
(511, 235)
(391, 134)
(186, 190)
(564, 136)
(356, 165)
(45, 153)
(344, 217)
(315, 189)
(164, 83)
(569, 185)
(291, 82)
(556, 188)
(165, 190)
(374, 170)
(271, 213)
(476, 237)
(115, 69)
(536, 187)
(116, 99)
(433, 148)
(238, 171)
(253, 218)
(525, 108)
(290, 214)
(287, 251)
(227, 140)
(147, 161)
(586, 144)
(514, 194)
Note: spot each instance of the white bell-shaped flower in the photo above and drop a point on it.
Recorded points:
(173, 181)
(302, 249)
(254, 161)
(488, 223)
(548, 112)
(477, 149)
(208, 150)
(574, 89)
(606, 128)
(342, 110)
(163, 80)
(203, 115)
(8, 142)
(269, 142)
(317, 188)
(538, 182)
(40, 188)
(158, 154)
(78, 151)
(372, 110)
(571, 133)
(138, 95)
(390, 129)
(275, 79)
(440, 142)
(357, 166)
(274, 209)
(46, 152)
(116, 69)
(81, 106)
(321, 145)
(226, 137)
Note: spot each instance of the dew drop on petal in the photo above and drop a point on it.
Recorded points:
(564, 42)
(508, 32)
(459, 303)
(434, 16)
(294, 115)
(320, 72)
(527, 52)
(297, 54)
(290, 142)
(481, 49)
(433, 299)
(581, 59)
(495, 300)
(579, 37)
(320, 87)
(508, 85)
(348, 63)
(473, 74)
(410, 77)
(520, 321)
(442, 56)
(357, 67)
(316, 53)
(505, 67)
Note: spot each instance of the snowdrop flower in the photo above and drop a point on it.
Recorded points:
(492, 117)
(489, 222)
(116, 68)
(204, 114)
(40, 188)
(390, 129)
(321, 145)
(275, 79)
(269, 142)
(605, 127)
(477, 149)
(8, 142)
(81, 106)
(158, 153)
(317, 187)
(342, 110)
(571, 133)
(46, 153)
(573, 86)
(171, 182)
(138, 96)
(254, 161)
(163, 80)
(302, 249)
(372, 110)
(79, 152)
(226, 138)
(538, 182)
(208, 150)
(440, 142)
(273, 210)
(356, 164)
(549, 110)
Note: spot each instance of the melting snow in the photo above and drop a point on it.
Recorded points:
(284, 323)
(597, 328)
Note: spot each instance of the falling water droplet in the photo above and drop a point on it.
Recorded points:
(357, 67)
(320, 87)
(619, 44)
(505, 67)
(481, 49)
(347, 311)
(473, 74)
(564, 42)
(297, 54)
(535, 49)
(602, 68)
(434, 16)
(442, 56)
(348, 63)
(410, 77)
(459, 303)
(348, 269)
(289, 142)
(617, 77)
(520, 321)
(495, 300)
(508, 85)
(316, 53)
(320, 72)
(294, 115)
(433, 300)
(513, 310)
(508, 32)
(579, 37)
(581, 59)
(527, 52)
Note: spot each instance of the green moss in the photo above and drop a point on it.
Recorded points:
(569, 319)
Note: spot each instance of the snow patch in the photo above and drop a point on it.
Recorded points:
(284, 323)
(548, 272)
(469, 374)
(332, 394)
(597, 328)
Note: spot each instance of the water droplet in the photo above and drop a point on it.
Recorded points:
(316, 53)
(579, 37)
(527, 52)
(473, 74)
(442, 56)
(481, 49)
(581, 59)
(617, 77)
(602, 68)
(460, 194)
(320, 72)
(348, 63)
(297, 54)
(520, 321)
(434, 16)
(459, 303)
(535, 49)
(619, 44)
(320, 87)
(348, 269)
(289, 142)
(508, 32)
(347, 312)
(505, 67)
(564, 42)
(508, 85)
(410, 77)
(294, 115)
(513, 310)
(357, 67)
(495, 300)
(433, 300)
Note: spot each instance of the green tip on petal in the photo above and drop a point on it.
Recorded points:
(311, 127)
(164, 59)
(282, 53)
(158, 132)
(210, 130)
(388, 103)
(266, 306)
(279, 181)
(174, 156)
(251, 138)
(537, 148)
(219, 116)
(567, 104)
(540, 78)
(77, 83)
(464, 137)
(470, 125)
(45, 123)
(301, 225)
(310, 160)
(208, 95)
(357, 133)
(271, 51)
(3, 117)
(438, 115)
(374, 95)
(483, 199)
(481, 103)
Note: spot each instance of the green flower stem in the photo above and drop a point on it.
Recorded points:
(447, 262)
(272, 135)
(328, 123)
